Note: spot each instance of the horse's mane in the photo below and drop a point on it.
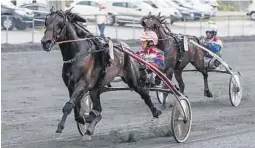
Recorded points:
(161, 20)
(82, 31)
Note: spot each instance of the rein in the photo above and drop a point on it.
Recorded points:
(76, 40)
(83, 39)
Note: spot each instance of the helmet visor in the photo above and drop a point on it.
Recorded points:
(209, 32)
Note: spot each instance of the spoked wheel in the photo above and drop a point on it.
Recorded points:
(86, 107)
(180, 123)
(235, 89)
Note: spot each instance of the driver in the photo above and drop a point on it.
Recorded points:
(151, 53)
(214, 44)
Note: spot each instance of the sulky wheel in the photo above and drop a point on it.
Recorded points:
(235, 89)
(86, 106)
(180, 124)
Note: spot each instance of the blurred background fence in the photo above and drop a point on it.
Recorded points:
(32, 30)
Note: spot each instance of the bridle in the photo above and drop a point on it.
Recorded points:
(57, 35)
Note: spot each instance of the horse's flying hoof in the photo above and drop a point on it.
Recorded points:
(157, 113)
(60, 128)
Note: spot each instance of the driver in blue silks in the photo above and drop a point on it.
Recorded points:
(214, 44)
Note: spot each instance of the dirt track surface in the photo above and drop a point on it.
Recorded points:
(33, 95)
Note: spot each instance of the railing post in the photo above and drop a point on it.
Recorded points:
(185, 25)
(242, 26)
(133, 28)
(116, 25)
(200, 20)
(96, 24)
(33, 29)
(228, 26)
(7, 29)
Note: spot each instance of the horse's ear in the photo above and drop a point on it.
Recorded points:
(52, 9)
(149, 14)
(78, 18)
(69, 10)
(159, 14)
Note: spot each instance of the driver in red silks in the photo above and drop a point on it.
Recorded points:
(151, 54)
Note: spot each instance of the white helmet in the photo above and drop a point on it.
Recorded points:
(212, 27)
(150, 36)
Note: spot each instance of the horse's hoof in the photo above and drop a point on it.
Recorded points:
(208, 94)
(86, 138)
(157, 113)
(60, 128)
(58, 136)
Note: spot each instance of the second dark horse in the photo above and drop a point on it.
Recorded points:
(176, 59)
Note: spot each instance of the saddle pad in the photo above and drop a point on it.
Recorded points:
(111, 54)
(185, 43)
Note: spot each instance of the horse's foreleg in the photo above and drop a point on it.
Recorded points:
(78, 92)
(207, 91)
(95, 114)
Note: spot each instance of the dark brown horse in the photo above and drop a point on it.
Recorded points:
(87, 67)
(176, 59)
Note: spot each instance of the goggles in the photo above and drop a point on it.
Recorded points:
(209, 32)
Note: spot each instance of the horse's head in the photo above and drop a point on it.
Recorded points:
(56, 24)
(156, 24)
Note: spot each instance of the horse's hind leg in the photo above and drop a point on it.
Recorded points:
(78, 92)
(147, 99)
(200, 67)
(207, 91)
(178, 77)
(132, 81)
